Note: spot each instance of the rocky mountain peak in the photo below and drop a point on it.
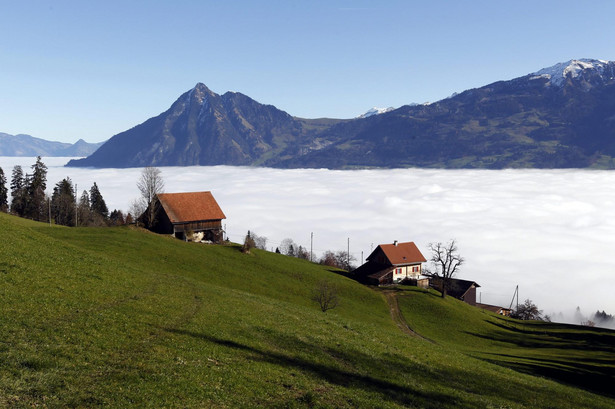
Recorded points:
(558, 74)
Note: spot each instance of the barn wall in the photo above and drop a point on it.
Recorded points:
(198, 225)
(162, 223)
(470, 296)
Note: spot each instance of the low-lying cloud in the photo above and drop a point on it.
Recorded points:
(549, 231)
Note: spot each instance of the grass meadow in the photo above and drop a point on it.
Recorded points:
(120, 317)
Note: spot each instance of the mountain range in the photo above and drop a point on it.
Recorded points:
(558, 117)
(26, 145)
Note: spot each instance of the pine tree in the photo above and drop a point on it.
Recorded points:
(97, 203)
(63, 203)
(18, 191)
(116, 218)
(39, 175)
(4, 193)
(84, 214)
(35, 186)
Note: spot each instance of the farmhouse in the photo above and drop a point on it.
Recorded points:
(393, 263)
(188, 216)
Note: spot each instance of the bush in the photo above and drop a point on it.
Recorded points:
(248, 244)
(325, 294)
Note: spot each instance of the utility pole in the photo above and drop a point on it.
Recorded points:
(76, 212)
(516, 293)
(311, 244)
(348, 254)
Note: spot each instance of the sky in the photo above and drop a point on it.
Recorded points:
(551, 232)
(85, 69)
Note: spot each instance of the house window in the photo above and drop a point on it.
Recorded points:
(415, 269)
(398, 271)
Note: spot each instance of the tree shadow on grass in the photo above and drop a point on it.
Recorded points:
(592, 378)
(545, 335)
(393, 377)
(389, 390)
(545, 350)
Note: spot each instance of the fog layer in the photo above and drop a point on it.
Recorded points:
(549, 231)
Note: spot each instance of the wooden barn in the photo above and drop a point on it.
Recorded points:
(495, 309)
(391, 264)
(188, 216)
(463, 290)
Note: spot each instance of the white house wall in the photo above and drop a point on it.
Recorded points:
(402, 272)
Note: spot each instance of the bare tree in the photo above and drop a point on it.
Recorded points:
(136, 209)
(150, 184)
(325, 294)
(260, 242)
(287, 247)
(446, 260)
(528, 311)
(338, 259)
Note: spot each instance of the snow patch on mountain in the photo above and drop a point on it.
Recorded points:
(572, 69)
(375, 111)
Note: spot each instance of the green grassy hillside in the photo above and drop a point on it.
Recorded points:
(118, 317)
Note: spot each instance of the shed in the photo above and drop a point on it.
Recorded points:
(464, 290)
(495, 309)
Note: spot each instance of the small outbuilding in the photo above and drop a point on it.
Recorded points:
(464, 290)
(495, 309)
(188, 216)
(391, 264)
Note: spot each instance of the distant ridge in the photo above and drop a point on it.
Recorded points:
(557, 117)
(26, 145)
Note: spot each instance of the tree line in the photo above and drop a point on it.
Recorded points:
(28, 199)
(338, 259)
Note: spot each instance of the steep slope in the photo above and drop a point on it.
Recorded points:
(117, 317)
(204, 128)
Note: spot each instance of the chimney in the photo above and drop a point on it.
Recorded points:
(395, 243)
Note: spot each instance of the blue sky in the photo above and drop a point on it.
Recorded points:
(85, 69)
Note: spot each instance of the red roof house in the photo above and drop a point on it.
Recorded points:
(392, 263)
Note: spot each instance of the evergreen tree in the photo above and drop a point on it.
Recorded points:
(248, 243)
(39, 175)
(63, 203)
(84, 214)
(97, 203)
(35, 186)
(18, 191)
(129, 219)
(116, 218)
(4, 193)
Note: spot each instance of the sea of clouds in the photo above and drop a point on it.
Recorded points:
(552, 232)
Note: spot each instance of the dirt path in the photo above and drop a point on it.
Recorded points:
(398, 317)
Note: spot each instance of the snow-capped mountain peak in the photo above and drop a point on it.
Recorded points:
(375, 111)
(574, 68)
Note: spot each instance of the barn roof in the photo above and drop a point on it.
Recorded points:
(492, 308)
(191, 206)
(457, 287)
(401, 253)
